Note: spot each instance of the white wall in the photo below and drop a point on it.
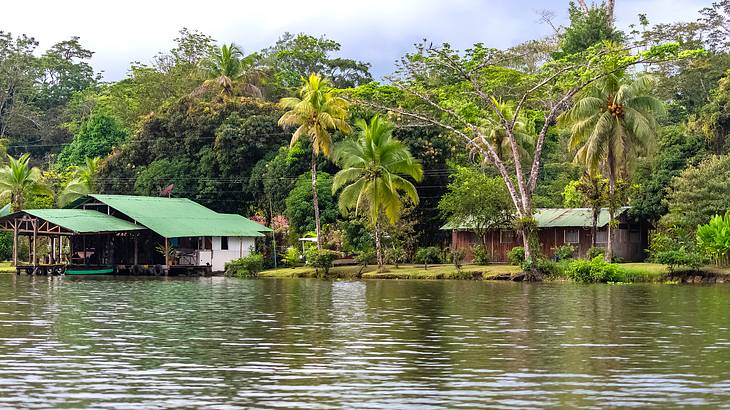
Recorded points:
(238, 247)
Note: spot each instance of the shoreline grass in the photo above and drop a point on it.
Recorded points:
(641, 272)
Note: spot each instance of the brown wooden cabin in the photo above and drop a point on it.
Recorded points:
(558, 226)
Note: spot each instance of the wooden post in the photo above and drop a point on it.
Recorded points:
(167, 252)
(34, 261)
(136, 253)
(15, 243)
(86, 257)
(52, 257)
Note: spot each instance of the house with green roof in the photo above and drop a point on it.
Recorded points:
(557, 227)
(131, 234)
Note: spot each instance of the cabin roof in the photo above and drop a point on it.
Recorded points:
(180, 217)
(83, 220)
(558, 218)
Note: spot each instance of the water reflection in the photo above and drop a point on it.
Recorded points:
(121, 343)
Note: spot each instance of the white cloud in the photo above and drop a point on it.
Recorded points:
(378, 31)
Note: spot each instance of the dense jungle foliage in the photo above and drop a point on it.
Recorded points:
(205, 118)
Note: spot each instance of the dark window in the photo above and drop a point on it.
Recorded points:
(224, 243)
(506, 236)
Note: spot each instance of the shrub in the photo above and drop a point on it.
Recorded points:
(481, 256)
(714, 238)
(246, 267)
(292, 256)
(321, 259)
(595, 270)
(564, 252)
(679, 257)
(429, 255)
(544, 267)
(457, 257)
(516, 255)
(395, 256)
(365, 257)
(595, 252)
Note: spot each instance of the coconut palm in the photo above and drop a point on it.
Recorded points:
(316, 112)
(611, 123)
(372, 176)
(18, 181)
(82, 183)
(225, 66)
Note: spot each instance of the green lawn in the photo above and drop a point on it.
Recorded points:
(6, 267)
(402, 272)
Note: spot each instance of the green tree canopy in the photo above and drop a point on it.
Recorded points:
(96, 137)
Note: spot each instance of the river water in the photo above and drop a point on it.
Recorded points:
(226, 343)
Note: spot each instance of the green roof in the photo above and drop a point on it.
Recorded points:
(560, 218)
(83, 221)
(180, 217)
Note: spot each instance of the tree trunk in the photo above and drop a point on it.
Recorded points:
(315, 202)
(594, 227)
(611, 202)
(378, 247)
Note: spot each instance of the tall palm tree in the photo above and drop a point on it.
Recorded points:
(611, 123)
(226, 65)
(372, 176)
(82, 183)
(316, 112)
(18, 181)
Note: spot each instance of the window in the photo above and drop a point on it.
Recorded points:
(506, 236)
(224, 243)
(601, 236)
(572, 236)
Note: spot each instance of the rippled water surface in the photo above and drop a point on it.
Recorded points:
(216, 342)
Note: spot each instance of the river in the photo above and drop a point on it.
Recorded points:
(218, 342)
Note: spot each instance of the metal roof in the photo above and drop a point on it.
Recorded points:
(560, 217)
(180, 217)
(83, 221)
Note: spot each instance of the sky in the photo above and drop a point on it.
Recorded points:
(375, 31)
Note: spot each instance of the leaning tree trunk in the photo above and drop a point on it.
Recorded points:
(315, 202)
(378, 247)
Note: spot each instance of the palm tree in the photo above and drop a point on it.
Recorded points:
(372, 176)
(225, 66)
(316, 112)
(18, 181)
(611, 123)
(524, 132)
(82, 183)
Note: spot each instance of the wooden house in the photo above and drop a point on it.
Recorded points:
(559, 226)
(130, 234)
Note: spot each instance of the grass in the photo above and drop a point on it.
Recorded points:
(6, 267)
(630, 272)
(401, 272)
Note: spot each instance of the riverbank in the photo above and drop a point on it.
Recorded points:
(628, 273)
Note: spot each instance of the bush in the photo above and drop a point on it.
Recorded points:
(595, 252)
(457, 257)
(321, 259)
(365, 258)
(481, 256)
(679, 257)
(429, 255)
(6, 246)
(516, 255)
(544, 267)
(395, 256)
(595, 270)
(292, 256)
(246, 267)
(565, 252)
